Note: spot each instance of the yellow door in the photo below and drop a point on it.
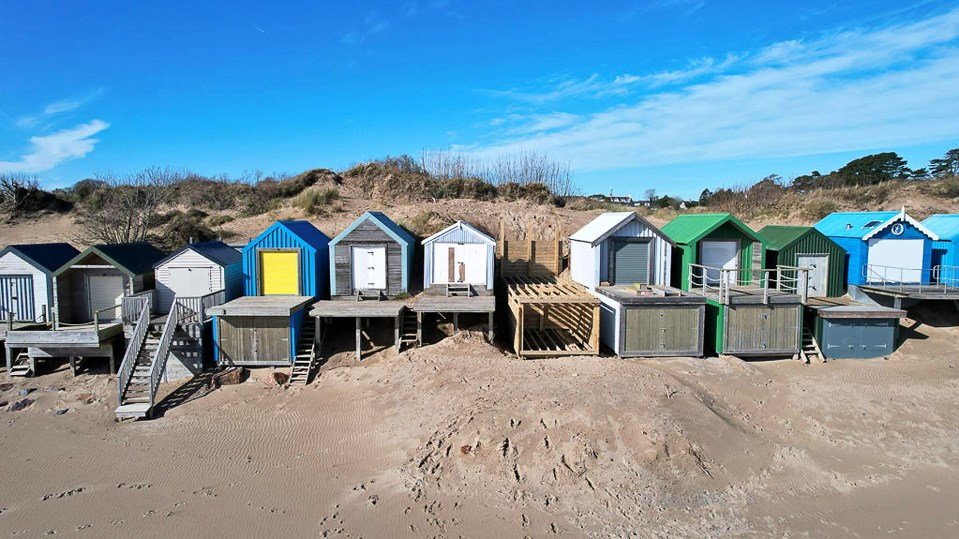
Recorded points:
(279, 273)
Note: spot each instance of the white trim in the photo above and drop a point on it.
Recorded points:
(461, 224)
(902, 216)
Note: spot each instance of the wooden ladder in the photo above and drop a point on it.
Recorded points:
(305, 355)
(458, 289)
(408, 334)
(21, 365)
(810, 347)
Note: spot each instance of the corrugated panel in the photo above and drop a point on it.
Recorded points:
(458, 235)
(312, 260)
(631, 261)
(850, 224)
(946, 226)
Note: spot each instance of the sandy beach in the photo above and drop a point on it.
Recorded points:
(458, 438)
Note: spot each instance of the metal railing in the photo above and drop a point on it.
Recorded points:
(922, 280)
(720, 282)
(132, 352)
(200, 304)
(132, 305)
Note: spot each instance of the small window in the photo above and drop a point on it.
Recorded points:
(871, 224)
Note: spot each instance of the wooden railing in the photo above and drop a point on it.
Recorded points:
(199, 305)
(162, 352)
(132, 305)
(132, 352)
(719, 282)
(114, 309)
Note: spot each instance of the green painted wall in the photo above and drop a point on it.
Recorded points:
(689, 254)
(816, 243)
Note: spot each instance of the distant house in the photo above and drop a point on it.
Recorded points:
(624, 201)
(26, 279)
(886, 246)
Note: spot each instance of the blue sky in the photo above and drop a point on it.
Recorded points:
(675, 95)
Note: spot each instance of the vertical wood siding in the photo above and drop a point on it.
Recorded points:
(11, 264)
(312, 261)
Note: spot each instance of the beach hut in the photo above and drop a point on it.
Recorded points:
(713, 240)
(373, 256)
(284, 271)
(198, 270)
(806, 247)
(750, 310)
(883, 247)
(839, 328)
(26, 280)
(945, 252)
(93, 283)
(459, 255)
(625, 261)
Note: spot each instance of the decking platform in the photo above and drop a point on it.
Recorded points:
(650, 295)
(349, 307)
(551, 317)
(922, 292)
(435, 300)
(843, 307)
(88, 340)
(261, 306)
(19, 326)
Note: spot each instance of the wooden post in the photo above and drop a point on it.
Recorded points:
(558, 257)
(113, 362)
(594, 331)
(419, 329)
(46, 315)
(456, 322)
(396, 330)
(520, 322)
(73, 365)
(9, 359)
(9, 321)
(489, 328)
(359, 331)
(529, 247)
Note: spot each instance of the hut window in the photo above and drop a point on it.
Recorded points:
(871, 224)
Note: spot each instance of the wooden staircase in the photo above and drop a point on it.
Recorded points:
(305, 355)
(810, 347)
(409, 333)
(459, 289)
(138, 388)
(366, 295)
(21, 366)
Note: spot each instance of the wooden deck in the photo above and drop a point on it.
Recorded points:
(69, 337)
(650, 295)
(350, 308)
(844, 307)
(19, 326)
(914, 291)
(455, 304)
(551, 317)
(261, 306)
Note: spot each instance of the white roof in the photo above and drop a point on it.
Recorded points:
(904, 217)
(605, 224)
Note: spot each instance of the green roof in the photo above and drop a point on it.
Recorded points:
(779, 237)
(692, 227)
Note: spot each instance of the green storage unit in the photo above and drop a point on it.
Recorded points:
(804, 246)
(690, 231)
(748, 327)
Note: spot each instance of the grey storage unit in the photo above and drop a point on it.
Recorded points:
(856, 331)
(651, 321)
(762, 329)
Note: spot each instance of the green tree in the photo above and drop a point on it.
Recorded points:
(947, 166)
(873, 169)
(704, 197)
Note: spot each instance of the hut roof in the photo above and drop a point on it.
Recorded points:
(461, 225)
(46, 257)
(606, 224)
(946, 226)
(130, 258)
(216, 251)
(394, 230)
(779, 237)
(692, 227)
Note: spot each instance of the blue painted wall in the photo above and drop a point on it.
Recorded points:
(858, 251)
(313, 260)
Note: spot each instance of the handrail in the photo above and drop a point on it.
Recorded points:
(917, 279)
(133, 303)
(200, 304)
(709, 280)
(132, 352)
(162, 352)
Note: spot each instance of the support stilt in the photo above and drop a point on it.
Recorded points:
(359, 331)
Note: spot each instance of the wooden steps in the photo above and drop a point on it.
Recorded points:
(408, 329)
(305, 355)
(459, 290)
(810, 348)
(367, 295)
(21, 366)
(138, 387)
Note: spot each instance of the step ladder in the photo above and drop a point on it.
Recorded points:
(365, 295)
(305, 357)
(408, 330)
(138, 388)
(459, 289)
(810, 347)
(21, 366)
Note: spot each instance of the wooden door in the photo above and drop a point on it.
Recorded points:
(279, 273)
(16, 296)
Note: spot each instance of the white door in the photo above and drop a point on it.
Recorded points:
(818, 274)
(459, 263)
(719, 254)
(369, 268)
(190, 282)
(895, 260)
(105, 291)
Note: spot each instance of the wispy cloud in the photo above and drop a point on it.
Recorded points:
(373, 24)
(48, 151)
(57, 108)
(853, 90)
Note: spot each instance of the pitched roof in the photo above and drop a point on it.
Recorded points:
(461, 225)
(130, 258)
(216, 251)
(606, 224)
(46, 257)
(692, 227)
(381, 220)
(779, 237)
(866, 224)
(946, 226)
(306, 231)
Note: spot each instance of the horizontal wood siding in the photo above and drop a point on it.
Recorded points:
(187, 259)
(367, 234)
(11, 264)
(540, 258)
(72, 296)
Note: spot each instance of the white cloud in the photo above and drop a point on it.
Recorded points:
(46, 152)
(855, 90)
(57, 108)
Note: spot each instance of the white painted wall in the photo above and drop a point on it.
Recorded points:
(589, 265)
(11, 264)
(584, 263)
(168, 287)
